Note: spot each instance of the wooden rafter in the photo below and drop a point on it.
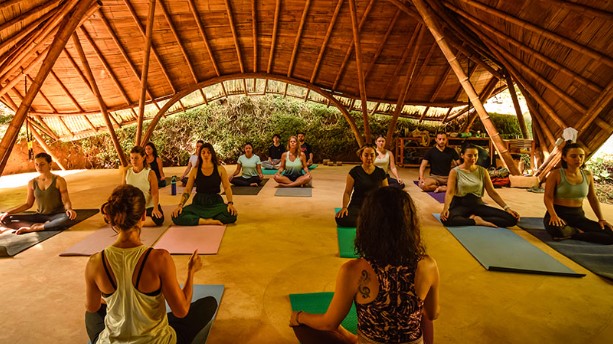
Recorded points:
(67, 91)
(471, 56)
(91, 125)
(298, 35)
(145, 72)
(194, 10)
(101, 104)
(30, 81)
(274, 35)
(487, 91)
(17, 79)
(254, 29)
(382, 44)
(43, 127)
(234, 35)
(153, 50)
(547, 136)
(542, 32)
(358, 60)
(595, 110)
(17, 40)
(44, 145)
(24, 17)
(7, 3)
(179, 40)
(69, 24)
(324, 44)
(520, 116)
(341, 70)
(405, 55)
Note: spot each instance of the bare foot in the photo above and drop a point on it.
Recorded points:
(209, 222)
(481, 222)
(254, 184)
(440, 189)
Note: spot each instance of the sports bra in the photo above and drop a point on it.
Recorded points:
(566, 190)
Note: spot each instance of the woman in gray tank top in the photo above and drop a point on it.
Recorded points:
(51, 194)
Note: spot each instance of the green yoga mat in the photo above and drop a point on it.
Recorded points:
(318, 303)
(272, 172)
(11, 244)
(499, 249)
(346, 239)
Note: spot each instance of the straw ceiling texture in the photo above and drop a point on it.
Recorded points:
(558, 53)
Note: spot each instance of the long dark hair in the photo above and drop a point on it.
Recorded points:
(388, 230)
(155, 151)
(565, 150)
(125, 207)
(208, 146)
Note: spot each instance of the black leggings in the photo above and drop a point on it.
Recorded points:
(51, 222)
(575, 217)
(394, 183)
(200, 314)
(240, 181)
(461, 208)
(349, 220)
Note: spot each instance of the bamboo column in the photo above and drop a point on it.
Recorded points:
(424, 11)
(67, 26)
(485, 94)
(520, 117)
(94, 87)
(44, 146)
(358, 60)
(144, 75)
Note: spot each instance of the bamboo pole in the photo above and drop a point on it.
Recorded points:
(194, 11)
(67, 27)
(485, 94)
(145, 74)
(17, 40)
(24, 17)
(324, 45)
(358, 60)
(597, 107)
(65, 89)
(233, 30)
(382, 44)
(44, 145)
(254, 30)
(53, 109)
(18, 79)
(536, 115)
(520, 116)
(274, 36)
(179, 41)
(424, 11)
(96, 91)
(298, 36)
(43, 127)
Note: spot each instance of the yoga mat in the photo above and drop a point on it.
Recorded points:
(185, 239)
(11, 244)
(106, 236)
(318, 303)
(201, 291)
(294, 192)
(248, 190)
(439, 196)
(346, 239)
(594, 257)
(272, 172)
(499, 249)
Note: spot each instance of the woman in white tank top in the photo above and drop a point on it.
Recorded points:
(385, 160)
(141, 176)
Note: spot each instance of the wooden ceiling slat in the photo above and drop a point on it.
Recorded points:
(65, 89)
(179, 41)
(24, 17)
(545, 33)
(234, 35)
(324, 44)
(194, 10)
(145, 71)
(49, 104)
(17, 40)
(382, 44)
(576, 7)
(594, 111)
(341, 70)
(274, 36)
(298, 35)
(8, 3)
(42, 126)
(358, 60)
(520, 118)
(26, 70)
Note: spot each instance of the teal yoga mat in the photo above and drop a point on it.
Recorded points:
(272, 172)
(499, 249)
(346, 239)
(594, 257)
(318, 303)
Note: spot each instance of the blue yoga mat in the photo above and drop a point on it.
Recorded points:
(499, 249)
(318, 303)
(594, 257)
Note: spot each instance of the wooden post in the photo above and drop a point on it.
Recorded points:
(144, 75)
(485, 94)
(358, 60)
(44, 146)
(520, 116)
(94, 87)
(66, 28)
(501, 148)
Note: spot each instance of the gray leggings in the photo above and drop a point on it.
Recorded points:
(52, 222)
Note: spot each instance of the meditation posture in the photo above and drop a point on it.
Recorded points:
(208, 207)
(252, 169)
(144, 179)
(305, 148)
(463, 203)
(128, 284)
(293, 170)
(274, 154)
(393, 284)
(565, 190)
(193, 161)
(51, 194)
(441, 159)
(385, 160)
(155, 163)
(361, 180)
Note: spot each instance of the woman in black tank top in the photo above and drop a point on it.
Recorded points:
(208, 207)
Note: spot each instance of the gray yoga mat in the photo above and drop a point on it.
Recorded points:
(594, 257)
(248, 190)
(499, 249)
(294, 192)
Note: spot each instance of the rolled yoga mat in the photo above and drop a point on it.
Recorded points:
(294, 192)
(594, 257)
(439, 196)
(499, 249)
(11, 244)
(186, 239)
(318, 303)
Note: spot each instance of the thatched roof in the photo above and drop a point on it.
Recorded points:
(559, 53)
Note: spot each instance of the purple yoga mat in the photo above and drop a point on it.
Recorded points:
(439, 196)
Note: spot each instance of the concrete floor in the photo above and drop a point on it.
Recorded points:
(285, 245)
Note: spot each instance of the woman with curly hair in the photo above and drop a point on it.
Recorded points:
(393, 284)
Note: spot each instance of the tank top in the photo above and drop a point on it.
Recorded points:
(155, 168)
(566, 190)
(383, 162)
(394, 316)
(469, 182)
(141, 181)
(292, 167)
(208, 184)
(132, 316)
(49, 200)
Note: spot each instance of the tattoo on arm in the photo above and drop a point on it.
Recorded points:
(184, 198)
(363, 288)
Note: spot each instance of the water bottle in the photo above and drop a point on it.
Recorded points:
(173, 185)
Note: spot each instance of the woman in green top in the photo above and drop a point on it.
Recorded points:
(293, 170)
(463, 204)
(252, 169)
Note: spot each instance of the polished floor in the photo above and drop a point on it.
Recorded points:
(285, 245)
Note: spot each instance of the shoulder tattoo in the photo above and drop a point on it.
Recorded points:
(363, 286)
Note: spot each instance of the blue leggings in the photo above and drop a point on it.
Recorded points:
(52, 222)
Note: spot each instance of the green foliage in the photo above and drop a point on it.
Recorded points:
(507, 125)
(601, 168)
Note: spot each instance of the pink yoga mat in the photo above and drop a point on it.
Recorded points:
(186, 239)
(106, 236)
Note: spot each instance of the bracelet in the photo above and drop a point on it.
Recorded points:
(298, 317)
(230, 202)
(506, 207)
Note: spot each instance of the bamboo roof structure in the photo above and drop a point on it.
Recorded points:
(73, 68)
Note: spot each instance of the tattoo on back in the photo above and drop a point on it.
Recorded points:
(363, 288)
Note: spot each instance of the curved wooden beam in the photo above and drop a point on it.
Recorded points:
(235, 36)
(274, 35)
(179, 40)
(324, 44)
(298, 36)
(145, 71)
(194, 11)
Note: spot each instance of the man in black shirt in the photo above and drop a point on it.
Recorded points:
(305, 148)
(274, 154)
(441, 159)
